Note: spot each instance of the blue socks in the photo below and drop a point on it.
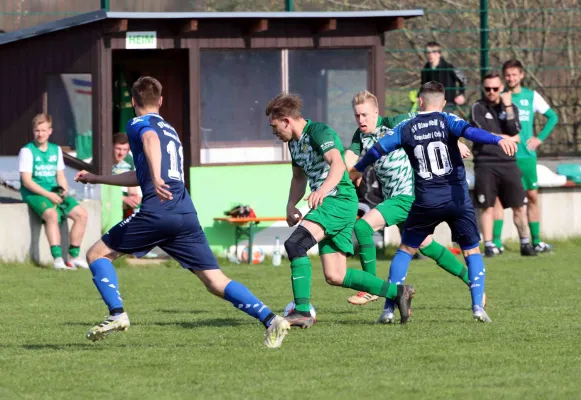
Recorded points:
(243, 299)
(397, 273)
(476, 274)
(105, 278)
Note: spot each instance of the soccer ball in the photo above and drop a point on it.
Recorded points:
(257, 255)
(291, 307)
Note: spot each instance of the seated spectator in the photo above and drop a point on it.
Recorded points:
(44, 188)
(131, 195)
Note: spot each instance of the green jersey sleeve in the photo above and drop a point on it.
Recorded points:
(324, 139)
(356, 143)
(392, 122)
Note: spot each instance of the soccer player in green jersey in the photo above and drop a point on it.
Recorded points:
(395, 175)
(318, 158)
(131, 197)
(528, 102)
(44, 188)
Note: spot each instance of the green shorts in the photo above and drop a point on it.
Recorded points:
(337, 216)
(528, 167)
(395, 210)
(40, 204)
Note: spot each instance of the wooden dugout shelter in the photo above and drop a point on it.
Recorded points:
(171, 47)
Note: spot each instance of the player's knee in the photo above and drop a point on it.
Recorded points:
(408, 249)
(100, 250)
(335, 278)
(299, 243)
(427, 241)
(532, 197)
(50, 216)
(469, 252)
(80, 214)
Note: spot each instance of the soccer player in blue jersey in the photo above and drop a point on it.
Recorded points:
(167, 219)
(431, 142)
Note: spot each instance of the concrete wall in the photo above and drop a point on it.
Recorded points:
(22, 235)
(560, 218)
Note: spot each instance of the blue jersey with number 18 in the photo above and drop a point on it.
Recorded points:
(172, 168)
(431, 142)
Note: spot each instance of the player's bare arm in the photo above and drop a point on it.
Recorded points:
(350, 159)
(297, 191)
(335, 161)
(61, 180)
(35, 188)
(152, 150)
(125, 179)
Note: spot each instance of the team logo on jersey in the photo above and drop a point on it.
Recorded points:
(481, 199)
(305, 147)
(327, 145)
(488, 116)
(524, 102)
(37, 158)
(52, 158)
(382, 131)
(502, 116)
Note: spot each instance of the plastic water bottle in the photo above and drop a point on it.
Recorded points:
(276, 253)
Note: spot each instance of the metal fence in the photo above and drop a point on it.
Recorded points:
(545, 35)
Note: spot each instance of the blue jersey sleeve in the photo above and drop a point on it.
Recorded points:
(387, 144)
(137, 127)
(456, 125)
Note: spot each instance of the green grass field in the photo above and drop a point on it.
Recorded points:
(185, 344)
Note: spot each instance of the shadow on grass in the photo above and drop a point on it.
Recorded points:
(213, 322)
(69, 346)
(181, 311)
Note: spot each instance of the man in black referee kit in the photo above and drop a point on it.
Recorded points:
(496, 174)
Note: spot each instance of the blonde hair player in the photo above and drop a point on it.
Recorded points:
(395, 175)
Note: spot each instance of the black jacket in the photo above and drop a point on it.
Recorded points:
(447, 75)
(492, 118)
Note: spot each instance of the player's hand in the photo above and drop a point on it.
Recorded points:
(355, 175)
(85, 177)
(464, 150)
(533, 143)
(131, 201)
(161, 189)
(358, 182)
(55, 198)
(506, 98)
(315, 199)
(293, 215)
(508, 146)
(460, 99)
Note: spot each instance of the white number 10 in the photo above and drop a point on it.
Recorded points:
(438, 158)
(176, 168)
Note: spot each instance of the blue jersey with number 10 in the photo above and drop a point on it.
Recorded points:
(172, 165)
(431, 142)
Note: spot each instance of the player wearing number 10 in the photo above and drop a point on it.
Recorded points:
(441, 192)
(167, 218)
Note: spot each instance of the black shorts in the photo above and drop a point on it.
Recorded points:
(502, 181)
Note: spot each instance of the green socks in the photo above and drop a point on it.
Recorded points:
(365, 282)
(301, 274)
(497, 232)
(535, 228)
(74, 251)
(56, 251)
(367, 252)
(446, 260)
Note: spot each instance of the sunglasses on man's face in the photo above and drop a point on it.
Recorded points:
(493, 89)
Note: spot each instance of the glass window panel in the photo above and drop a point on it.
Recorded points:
(69, 102)
(327, 81)
(235, 87)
